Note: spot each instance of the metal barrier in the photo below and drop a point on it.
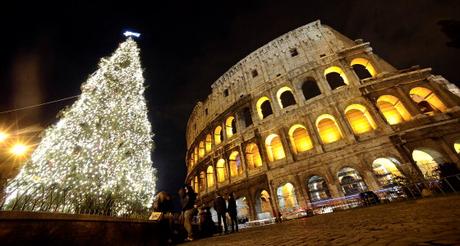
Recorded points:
(395, 192)
(61, 202)
(39, 199)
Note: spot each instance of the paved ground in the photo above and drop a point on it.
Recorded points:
(432, 221)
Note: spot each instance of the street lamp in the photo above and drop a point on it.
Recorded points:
(19, 149)
(3, 136)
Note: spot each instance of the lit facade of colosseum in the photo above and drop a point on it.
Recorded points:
(312, 116)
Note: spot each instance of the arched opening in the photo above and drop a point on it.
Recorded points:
(195, 154)
(427, 102)
(285, 97)
(428, 162)
(218, 138)
(386, 171)
(335, 77)
(192, 160)
(236, 167)
(202, 181)
(351, 181)
(196, 185)
(201, 150)
(363, 68)
(300, 139)
(208, 143)
(221, 171)
(328, 130)
(317, 188)
(274, 148)
(230, 126)
(253, 159)
(263, 207)
(457, 146)
(286, 197)
(242, 209)
(264, 107)
(392, 109)
(310, 89)
(359, 119)
(210, 176)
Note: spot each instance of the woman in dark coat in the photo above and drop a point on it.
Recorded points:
(232, 211)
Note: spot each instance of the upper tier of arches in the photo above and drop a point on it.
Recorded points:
(356, 118)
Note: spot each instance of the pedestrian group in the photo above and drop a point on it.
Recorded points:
(177, 226)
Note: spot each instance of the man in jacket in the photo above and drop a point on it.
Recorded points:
(188, 201)
(221, 209)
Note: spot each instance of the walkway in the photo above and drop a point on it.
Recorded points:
(432, 221)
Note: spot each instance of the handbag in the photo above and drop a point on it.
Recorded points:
(156, 216)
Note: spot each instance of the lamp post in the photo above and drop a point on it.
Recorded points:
(13, 151)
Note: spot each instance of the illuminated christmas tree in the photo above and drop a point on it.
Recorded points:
(97, 157)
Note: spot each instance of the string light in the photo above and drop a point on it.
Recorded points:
(98, 155)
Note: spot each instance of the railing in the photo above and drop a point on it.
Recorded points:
(396, 192)
(50, 200)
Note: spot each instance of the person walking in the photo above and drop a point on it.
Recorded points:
(164, 204)
(188, 198)
(232, 212)
(221, 209)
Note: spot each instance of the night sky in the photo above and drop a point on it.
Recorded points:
(48, 50)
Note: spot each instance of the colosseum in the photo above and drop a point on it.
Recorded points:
(312, 117)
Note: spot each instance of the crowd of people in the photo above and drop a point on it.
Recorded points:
(192, 221)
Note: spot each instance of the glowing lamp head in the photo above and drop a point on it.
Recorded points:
(3, 136)
(131, 34)
(19, 149)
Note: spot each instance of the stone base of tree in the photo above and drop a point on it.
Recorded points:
(26, 228)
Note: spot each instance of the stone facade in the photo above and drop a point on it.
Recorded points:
(314, 104)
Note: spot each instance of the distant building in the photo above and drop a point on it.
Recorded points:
(313, 115)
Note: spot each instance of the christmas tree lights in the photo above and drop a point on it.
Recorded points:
(97, 157)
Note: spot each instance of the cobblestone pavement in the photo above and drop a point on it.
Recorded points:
(431, 221)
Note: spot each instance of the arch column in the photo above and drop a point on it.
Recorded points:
(380, 119)
(314, 135)
(287, 147)
(368, 174)
(276, 107)
(353, 79)
(374, 61)
(304, 201)
(444, 96)
(295, 93)
(252, 206)
(333, 184)
(322, 83)
(243, 161)
(227, 167)
(273, 199)
(370, 181)
(453, 156)
(262, 150)
(377, 115)
(409, 104)
(343, 125)
(409, 166)
(298, 93)
(214, 165)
